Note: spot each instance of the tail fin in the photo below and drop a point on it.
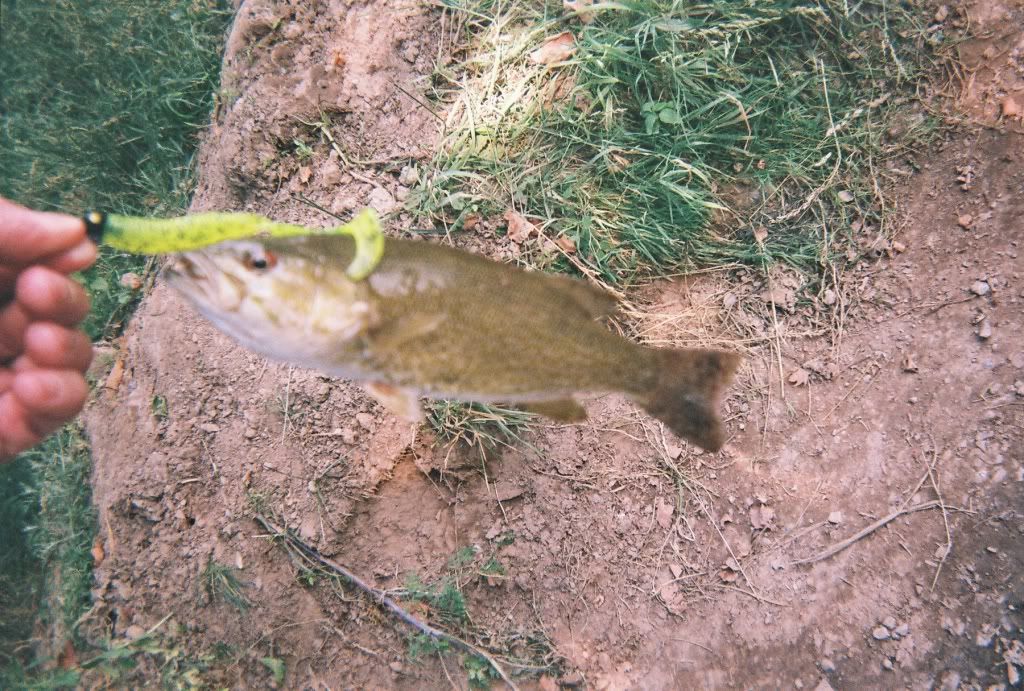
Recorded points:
(685, 397)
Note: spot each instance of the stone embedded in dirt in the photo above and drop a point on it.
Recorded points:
(835, 518)
(676, 570)
(949, 681)
(210, 427)
(571, 680)
(829, 298)
(365, 420)
(506, 491)
(761, 517)
(409, 176)
(980, 288)
(134, 632)
(880, 633)
(799, 377)
(1018, 387)
(827, 666)
(845, 196)
(909, 363)
(985, 330)
(983, 638)
(823, 685)
(889, 623)
(902, 631)
(898, 247)
(965, 221)
(381, 200)
(1011, 108)
(1017, 359)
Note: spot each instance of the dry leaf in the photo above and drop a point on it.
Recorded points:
(556, 49)
(845, 196)
(68, 658)
(471, 221)
(566, 243)
(760, 235)
(305, 172)
(618, 163)
(783, 298)
(115, 376)
(98, 555)
(581, 8)
(518, 227)
(800, 377)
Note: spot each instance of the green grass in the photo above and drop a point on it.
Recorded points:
(480, 426)
(102, 103)
(221, 583)
(677, 129)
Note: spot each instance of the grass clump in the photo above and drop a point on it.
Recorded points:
(675, 131)
(102, 105)
(477, 425)
(221, 583)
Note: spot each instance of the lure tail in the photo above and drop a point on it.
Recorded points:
(686, 393)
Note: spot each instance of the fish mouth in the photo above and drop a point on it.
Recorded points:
(200, 278)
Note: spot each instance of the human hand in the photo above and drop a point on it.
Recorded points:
(43, 356)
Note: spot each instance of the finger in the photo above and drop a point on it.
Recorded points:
(15, 433)
(27, 235)
(58, 347)
(81, 256)
(13, 322)
(49, 396)
(49, 296)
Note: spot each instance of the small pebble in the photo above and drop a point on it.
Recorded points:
(880, 633)
(980, 288)
(985, 330)
(903, 630)
(889, 623)
(887, 664)
(827, 665)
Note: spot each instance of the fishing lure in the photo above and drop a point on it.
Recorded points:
(162, 235)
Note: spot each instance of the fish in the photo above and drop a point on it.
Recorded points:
(437, 322)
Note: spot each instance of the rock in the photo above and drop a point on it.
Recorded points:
(889, 623)
(829, 298)
(887, 664)
(880, 633)
(903, 630)
(949, 681)
(845, 196)
(823, 685)
(209, 427)
(835, 518)
(985, 330)
(941, 13)
(249, 433)
(572, 680)
(980, 288)
(827, 666)
(965, 221)
(365, 420)
(134, 632)
(381, 200)
(348, 435)
(409, 176)
(1018, 387)
(505, 490)
(396, 667)
(1011, 108)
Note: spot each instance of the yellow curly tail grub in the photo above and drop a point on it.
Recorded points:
(166, 235)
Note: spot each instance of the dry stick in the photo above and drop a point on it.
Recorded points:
(932, 472)
(840, 546)
(382, 599)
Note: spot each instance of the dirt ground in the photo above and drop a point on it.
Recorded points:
(631, 560)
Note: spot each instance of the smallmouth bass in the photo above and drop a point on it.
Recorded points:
(442, 323)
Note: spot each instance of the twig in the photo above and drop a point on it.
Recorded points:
(382, 599)
(932, 472)
(840, 546)
(760, 598)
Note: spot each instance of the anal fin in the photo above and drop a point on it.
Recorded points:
(562, 410)
(402, 402)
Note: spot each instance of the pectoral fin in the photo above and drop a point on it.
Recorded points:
(365, 230)
(402, 402)
(564, 410)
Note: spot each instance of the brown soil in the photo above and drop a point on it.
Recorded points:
(631, 560)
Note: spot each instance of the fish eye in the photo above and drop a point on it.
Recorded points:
(259, 262)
